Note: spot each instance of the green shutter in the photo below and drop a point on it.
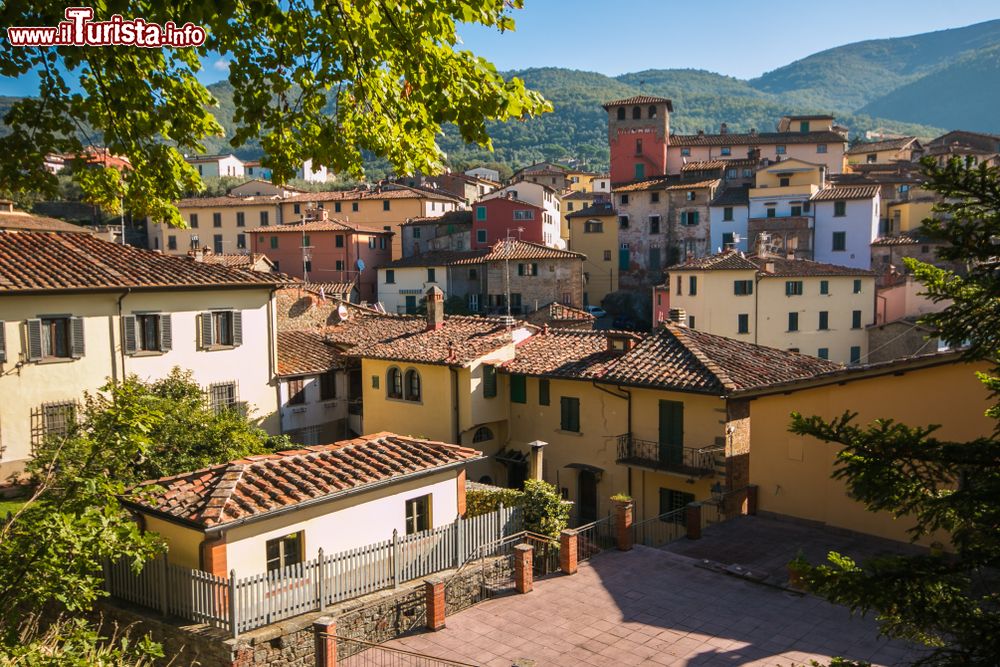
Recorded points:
(518, 389)
(543, 391)
(671, 432)
(489, 381)
(569, 414)
(3, 343)
(207, 330)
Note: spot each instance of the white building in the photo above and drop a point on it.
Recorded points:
(87, 311)
(257, 187)
(728, 215)
(484, 173)
(332, 497)
(312, 174)
(847, 221)
(217, 165)
(545, 198)
(313, 390)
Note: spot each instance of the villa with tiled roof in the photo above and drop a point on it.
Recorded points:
(269, 511)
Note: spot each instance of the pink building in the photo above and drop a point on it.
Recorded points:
(495, 219)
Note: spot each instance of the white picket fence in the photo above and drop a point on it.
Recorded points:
(241, 604)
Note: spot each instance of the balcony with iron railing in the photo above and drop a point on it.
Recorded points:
(690, 461)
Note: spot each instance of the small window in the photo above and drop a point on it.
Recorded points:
(823, 353)
(622, 222)
(804, 126)
(689, 195)
(241, 241)
(482, 434)
(743, 323)
(793, 321)
(274, 243)
(728, 239)
(857, 286)
(480, 213)
(481, 236)
(284, 551)
(796, 211)
(638, 146)
(338, 265)
(742, 287)
(784, 182)
(296, 391)
(432, 275)
(690, 321)
(726, 150)
(194, 220)
(328, 386)
(418, 514)
(839, 241)
(685, 152)
(679, 283)
(727, 214)
(569, 414)
(416, 232)
(652, 111)
(390, 276)
(241, 219)
(839, 209)
(222, 396)
(692, 285)
(824, 320)
(654, 197)
(793, 287)
(297, 209)
(636, 113)
(772, 212)
(824, 287)
(338, 241)
(624, 199)
(621, 113)
(779, 150)
(607, 255)
(518, 389)
(385, 205)
(654, 224)
(374, 382)
(412, 385)
(855, 319)
(855, 354)
(354, 206)
(821, 148)
(222, 328)
(264, 219)
(217, 244)
(394, 383)
(489, 381)
(543, 391)
(473, 274)
(593, 227)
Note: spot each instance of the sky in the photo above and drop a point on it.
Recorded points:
(724, 36)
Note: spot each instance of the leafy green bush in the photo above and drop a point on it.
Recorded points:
(484, 501)
(545, 512)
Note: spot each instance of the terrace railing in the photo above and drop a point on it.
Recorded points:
(691, 461)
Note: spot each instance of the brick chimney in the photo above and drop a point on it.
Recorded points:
(537, 453)
(723, 129)
(435, 308)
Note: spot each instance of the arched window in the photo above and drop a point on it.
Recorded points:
(412, 385)
(482, 434)
(652, 111)
(621, 113)
(394, 383)
(636, 113)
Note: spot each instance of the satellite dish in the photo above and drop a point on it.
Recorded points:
(342, 312)
(361, 265)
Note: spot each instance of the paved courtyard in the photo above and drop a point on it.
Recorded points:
(655, 607)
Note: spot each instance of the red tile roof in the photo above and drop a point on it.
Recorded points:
(567, 353)
(640, 99)
(305, 353)
(258, 486)
(735, 260)
(237, 260)
(712, 182)
(596, 209)
(229, 200)
(836, 192)
(461, 340)
(30, 222)
(365, 329)
(705, 165)
(463, 217)
(330, 225)
(731, 139)
(526, 250)
(560, 311)
(678, 358)
(658, 183)
(728, 260)
(886, 145)
(393, 192)
(896, 240)
(54, 261)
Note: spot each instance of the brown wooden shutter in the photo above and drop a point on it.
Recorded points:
(237, 327)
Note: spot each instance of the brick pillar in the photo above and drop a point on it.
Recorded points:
(213, 557)
(752, 499)
(523, 564)
(623, 524)
(434, 599)
(461, 493)
(325, 633)
(568, 541)
(694, 521)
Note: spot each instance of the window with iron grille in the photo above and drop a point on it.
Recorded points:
(328, 386)
(296, 391)
(223, 396)
(52, 420)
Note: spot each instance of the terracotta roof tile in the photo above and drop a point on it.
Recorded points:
(365, 329)
(658, 183)
(259, 485)
(896, 240)
(732, 139)
(735, 260)
(30, 222)
(237, 260)
(463, 217)
(305, 353)
(461, 340)
(567, 353)
(438, 258)
(723, 261)
(52, 261)
(705, 165)
(732, 196)
(846, 192)
(527, 250)
(228, 200)
(596, 209)
(874, 146)
(393, 192)
(678, 358)
(640, 99)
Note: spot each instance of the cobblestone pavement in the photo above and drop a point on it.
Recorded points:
(654, 607)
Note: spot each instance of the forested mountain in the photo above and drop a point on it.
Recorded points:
(922, 85)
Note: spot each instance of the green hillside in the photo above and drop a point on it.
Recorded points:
(954, 96)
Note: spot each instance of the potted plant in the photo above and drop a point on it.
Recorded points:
(797, 568)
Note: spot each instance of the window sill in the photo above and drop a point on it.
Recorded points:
(576, 434)
(217, 348)
(403, 400)
(55, 360)
(148, 353)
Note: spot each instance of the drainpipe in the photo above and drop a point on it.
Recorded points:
(628, 417)
(127, 291)
(272, 354)
(756, 308)
(454, 401)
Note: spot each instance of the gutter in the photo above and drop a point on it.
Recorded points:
(281, 511)
(453, 372)
(120, 332)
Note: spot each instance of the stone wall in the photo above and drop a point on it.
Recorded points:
(737, 444)
(291, 643)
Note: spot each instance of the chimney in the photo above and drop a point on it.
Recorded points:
(723, 129)
(435, 308)
(753, 131)
(768, 267)
(701, 133)
(537, 456)
(678, 316)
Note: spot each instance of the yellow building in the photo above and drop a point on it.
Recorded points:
(793, 473)
(791, 304)
(903, 149)
(574, 202)
(593, 231)
(78, 312)
(217, 223)
(908, 216)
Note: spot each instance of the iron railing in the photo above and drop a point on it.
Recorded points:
(691, 461)
(661, 530)
(594, 537)
(359, 653)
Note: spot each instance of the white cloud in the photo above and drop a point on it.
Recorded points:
(221, 64)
